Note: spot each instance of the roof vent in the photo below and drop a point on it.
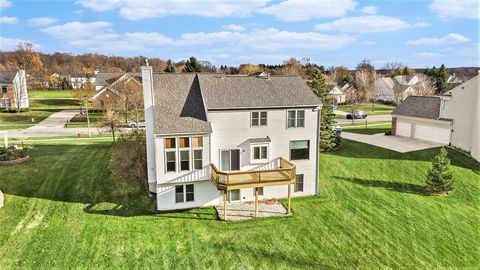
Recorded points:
(263, 75)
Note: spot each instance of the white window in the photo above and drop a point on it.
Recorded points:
(298, 183)
(299, 150)
(230, 160)
(170, 155)
(197, 146)
(259, 118)
(259, 153)
(446, 104)
(260, 191)
(295, 118)
(184, 193)
(183, 154)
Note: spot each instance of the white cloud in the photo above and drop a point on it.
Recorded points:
(42, 21)
(427, 55)
(234, 27)
(10, 44)
(148, 38)
(448, 39)
(304, 10)
(142, 9)
(370, 10)
(74, 31)
(468, 9)
(8, 20)
(5, 3)
(365, 24)
(421, 24)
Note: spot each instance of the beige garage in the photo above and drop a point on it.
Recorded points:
(419, 118)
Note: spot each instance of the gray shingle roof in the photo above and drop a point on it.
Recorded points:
(7, 77)
(421, 107)
(178, 105)
(259, 140)
(182, 100)
(107, 78)
(222, 92)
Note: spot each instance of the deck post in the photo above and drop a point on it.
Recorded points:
(256, 202)
(289, 197)
(225, 205)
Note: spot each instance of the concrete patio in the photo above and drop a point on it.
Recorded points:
(246, 211)
(395, 143)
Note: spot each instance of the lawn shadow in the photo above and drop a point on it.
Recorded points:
(392, 186)
(353, 149)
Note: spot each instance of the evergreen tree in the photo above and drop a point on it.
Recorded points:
(170, 68)
(192, 65)
(328, 138)
(441, 80)
(439, 177)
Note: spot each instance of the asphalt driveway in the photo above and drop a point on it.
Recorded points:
(395, 143)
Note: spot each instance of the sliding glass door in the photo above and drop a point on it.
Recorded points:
(230, 160)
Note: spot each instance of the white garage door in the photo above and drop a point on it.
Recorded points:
(432, 133)
(403, 129)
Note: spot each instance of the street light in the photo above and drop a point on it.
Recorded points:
(88, 119)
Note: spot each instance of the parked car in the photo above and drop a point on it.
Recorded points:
(357, 115)
(133, 124)
(334, 107)
(337, 129)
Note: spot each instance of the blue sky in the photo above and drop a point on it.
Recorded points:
(417, 33)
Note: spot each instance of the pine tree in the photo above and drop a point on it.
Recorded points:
(328, 138)
(192, 65)
(440, 177)
(441, 80)
(170, 68)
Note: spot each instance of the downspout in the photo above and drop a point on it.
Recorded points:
(317, 156)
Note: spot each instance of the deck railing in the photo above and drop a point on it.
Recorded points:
(285, 174)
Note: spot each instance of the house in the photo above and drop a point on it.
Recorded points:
(103, 99)
(338, 92)
(215, 138)
(456, 79)
(453, 118)
(395, 89)
(80, 80)
(13, 92)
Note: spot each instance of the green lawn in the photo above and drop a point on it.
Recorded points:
(80, 120)
(42, 104)
(372, 127)
(63, 211)
(379, 108)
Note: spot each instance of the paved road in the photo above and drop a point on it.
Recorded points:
(51, 126)
(395, 143)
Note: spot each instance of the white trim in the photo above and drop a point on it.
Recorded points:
(252, 153)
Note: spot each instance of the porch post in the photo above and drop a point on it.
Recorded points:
(289, 197)
(225, 205)
(256, 202)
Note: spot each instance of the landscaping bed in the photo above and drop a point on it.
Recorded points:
(12, 155)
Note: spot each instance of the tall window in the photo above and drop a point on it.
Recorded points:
(295, 118)
(197, 159)
(299, 150)
(4, 89)
(184, 193)
(170, 155)
(102, 104)
(260, 152)
(259, 119)
(184, 160)
(298, 183)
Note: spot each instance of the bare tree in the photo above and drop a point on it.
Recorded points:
(425, 86)
(354, 99)
(109, 123)
(128, 97)
(79, 94)
(365, 80)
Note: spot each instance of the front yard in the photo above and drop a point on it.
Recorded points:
(368, 129)
(369, 109)
(62, 210)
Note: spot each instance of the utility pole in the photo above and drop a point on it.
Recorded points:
(88, 119)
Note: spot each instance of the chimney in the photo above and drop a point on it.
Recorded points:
(148, 101)
(146, 62)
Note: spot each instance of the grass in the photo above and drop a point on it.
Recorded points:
(42, 104)
(372, 213)
(379, 108)
(80, 120)
(372, 127)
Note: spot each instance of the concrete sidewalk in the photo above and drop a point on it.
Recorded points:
(56, 120)
(395, 143)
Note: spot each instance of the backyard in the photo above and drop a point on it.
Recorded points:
(42, 104)
(63, 210)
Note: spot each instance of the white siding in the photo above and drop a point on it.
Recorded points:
(432, 132)
(403, 128)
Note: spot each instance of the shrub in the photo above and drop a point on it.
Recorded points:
(440, 177)
(12, 153)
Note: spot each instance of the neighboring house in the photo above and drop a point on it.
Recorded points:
(103, 99)
(453, 118)
(13, 90)
(80, 80)
(338, 92)
(457, 79)
(395, 89)
(103, 79)
(216, 138)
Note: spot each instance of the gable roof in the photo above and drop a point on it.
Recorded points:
(236, 92)
(114, 87)
(107, 78)
(181, 100)
(178, 106)
(419, 106)
(7, 77)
